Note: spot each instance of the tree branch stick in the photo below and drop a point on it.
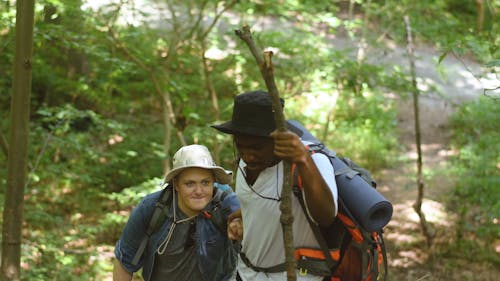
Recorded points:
(266, 69)
(420, 182)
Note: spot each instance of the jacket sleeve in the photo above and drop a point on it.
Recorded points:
(133, 233)
(231, 203)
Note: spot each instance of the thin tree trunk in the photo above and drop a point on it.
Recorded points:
(362, 45)
(167, 138)
(4, 145)
(480, 15)
(213, 97)
(18, 139)
(426, 229)
(350, 11)
(266, 69)
(206, 73)
(331, 113)
(169, 117)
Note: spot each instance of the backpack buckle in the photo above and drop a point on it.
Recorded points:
(302, 271)
(207, 214)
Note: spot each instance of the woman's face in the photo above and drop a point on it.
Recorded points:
(195, 187)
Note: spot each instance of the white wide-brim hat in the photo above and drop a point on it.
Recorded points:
(197, 156)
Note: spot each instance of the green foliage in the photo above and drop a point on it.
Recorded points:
(7, 24)
(109, 158)
(458, 20)
(66, 203)
(476, 134)
(97, 132)
(364, 130)
(288, 9)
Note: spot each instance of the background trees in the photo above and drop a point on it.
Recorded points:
(120, 85)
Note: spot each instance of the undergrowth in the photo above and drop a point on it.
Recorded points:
(476, 131)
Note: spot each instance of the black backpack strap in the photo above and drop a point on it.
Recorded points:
(352, 169)
(332, 265)
(384, 255)
(158, 216)
(217, 214)
(273, 269)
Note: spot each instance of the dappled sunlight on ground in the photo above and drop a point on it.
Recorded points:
(434, 213)
(408, 258)
(408, 254)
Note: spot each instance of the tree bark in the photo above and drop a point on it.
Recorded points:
(213, 96)
(18, 139)
(266, 69)
(480, 15)
(4, 145)
(420, 181)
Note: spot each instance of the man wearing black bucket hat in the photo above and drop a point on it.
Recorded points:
(259, 179)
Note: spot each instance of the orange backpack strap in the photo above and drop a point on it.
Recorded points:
(330, 262)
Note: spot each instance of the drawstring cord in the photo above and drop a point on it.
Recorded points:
(163, 245)
(278, 196)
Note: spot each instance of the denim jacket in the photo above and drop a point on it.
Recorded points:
(216, 253)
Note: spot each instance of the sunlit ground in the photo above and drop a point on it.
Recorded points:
(404, 229)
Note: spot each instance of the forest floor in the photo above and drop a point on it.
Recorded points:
(443, 86)
(409, 257)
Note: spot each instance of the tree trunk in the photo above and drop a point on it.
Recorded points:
(480, 15)
(4, 145)
(18, 139)
(213, 96)
(428, 233)
(362, 46)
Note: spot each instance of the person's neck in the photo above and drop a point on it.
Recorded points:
(252, 175)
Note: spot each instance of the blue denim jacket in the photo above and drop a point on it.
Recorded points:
(216, 253)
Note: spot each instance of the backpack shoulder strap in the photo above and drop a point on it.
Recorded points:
(316, 230)
(297, 190)
(217, 214)
(158, 216)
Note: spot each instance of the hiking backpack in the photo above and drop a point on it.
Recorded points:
(216, 214)
(352, 247)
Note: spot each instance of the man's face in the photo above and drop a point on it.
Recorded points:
(257, 152)
(195, 187)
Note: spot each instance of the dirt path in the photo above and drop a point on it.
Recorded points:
(409, 258)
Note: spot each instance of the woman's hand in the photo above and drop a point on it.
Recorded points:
(235, 226)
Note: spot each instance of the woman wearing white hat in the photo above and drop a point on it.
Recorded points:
(180, 233)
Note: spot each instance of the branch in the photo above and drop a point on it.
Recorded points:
(165, 95)
(218, 14)
(420, 182)
(266, 69)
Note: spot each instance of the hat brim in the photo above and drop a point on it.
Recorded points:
(221, 175)
(229, 128)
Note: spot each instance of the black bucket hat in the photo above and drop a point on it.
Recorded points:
(253, 115)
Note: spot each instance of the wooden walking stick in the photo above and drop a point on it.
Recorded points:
(266, 69)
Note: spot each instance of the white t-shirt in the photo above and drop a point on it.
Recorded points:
(262, 233)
